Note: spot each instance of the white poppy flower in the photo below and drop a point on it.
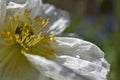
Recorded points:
(28, 51)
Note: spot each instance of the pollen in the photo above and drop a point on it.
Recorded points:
(28, 32)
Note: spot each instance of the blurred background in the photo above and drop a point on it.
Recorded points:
(97, 21)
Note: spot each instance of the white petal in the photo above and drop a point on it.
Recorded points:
(77, 47)
(34, 5)
(96, 69)
(2, 11)
(59, 19)
(54, 70)
(82, 56)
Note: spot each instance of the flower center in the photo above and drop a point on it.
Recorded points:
(25, 37)
(26, 31)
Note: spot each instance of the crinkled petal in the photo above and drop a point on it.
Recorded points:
(54, 70)
(14, 65)
(77, 47)
(81, 56)
(96, 70)
(59, 19)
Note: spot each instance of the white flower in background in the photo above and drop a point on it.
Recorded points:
(29, 49)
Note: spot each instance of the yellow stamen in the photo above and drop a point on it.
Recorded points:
(28, 32)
